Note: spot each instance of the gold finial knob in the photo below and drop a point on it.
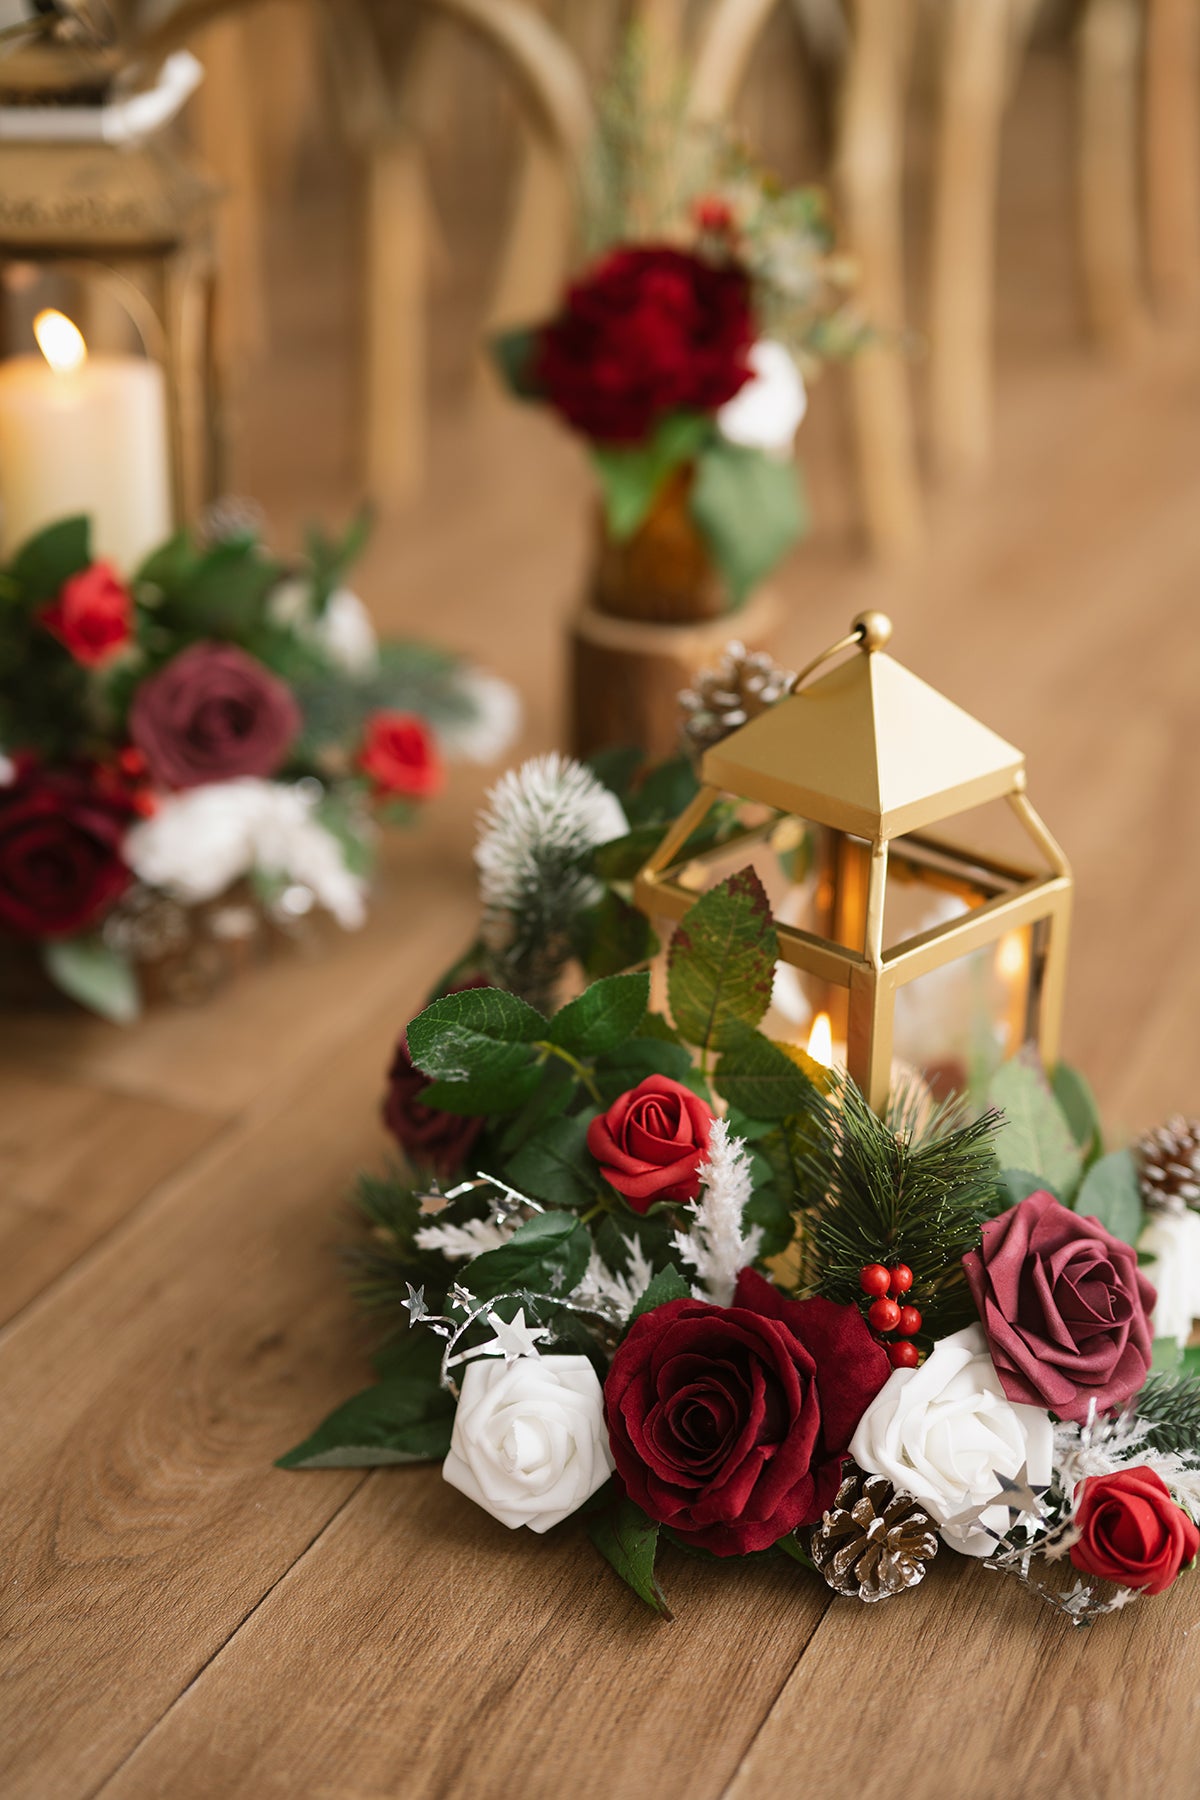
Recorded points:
(873, 629)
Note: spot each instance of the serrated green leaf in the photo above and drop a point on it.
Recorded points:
(95, 975)
(628, 1540)
(1018, 1184)
(667, 1285)
(1110, 1193)
(621, 858)
(478, 1046)
(631, 478)
(751, 510)
(759, 1078)
(399, 1420)
(721, 963)
(612, 936)
(791, 1546)
(633, 1061)
(1035, 1135)
(548, 1254)
(1073, 1092)
(555, 1166)
(603, 1016)
(51, 557)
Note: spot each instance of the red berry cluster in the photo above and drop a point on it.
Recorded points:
(886, 1313)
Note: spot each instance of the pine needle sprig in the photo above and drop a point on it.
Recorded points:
(1169, 1405)
(386, 1257)
(913, 1188)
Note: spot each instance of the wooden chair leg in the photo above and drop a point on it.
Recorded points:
(226, 115)
(1172, 146)
(973, 87)
(870, 173)
(1109, 170)
(394, 351)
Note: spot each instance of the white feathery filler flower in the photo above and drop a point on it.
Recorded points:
(716, 1244)
(550, 809)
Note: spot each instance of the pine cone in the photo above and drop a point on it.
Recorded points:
(1169, 1166)
(744, 684)
(873, 1542)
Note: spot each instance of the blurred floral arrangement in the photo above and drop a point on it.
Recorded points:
(679, 353)
(654, 1267)
(202, 753)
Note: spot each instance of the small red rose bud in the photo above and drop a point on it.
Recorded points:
(884, 1315)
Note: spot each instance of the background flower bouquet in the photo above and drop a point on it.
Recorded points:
(662, 1270)
(202, 752)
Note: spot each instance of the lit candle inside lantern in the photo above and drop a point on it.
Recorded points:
(820, 1040)
(1012, 966)
(82, 434)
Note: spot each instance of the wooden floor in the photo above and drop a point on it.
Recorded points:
(183, 1620)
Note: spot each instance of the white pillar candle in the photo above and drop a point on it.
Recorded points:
(82, 434)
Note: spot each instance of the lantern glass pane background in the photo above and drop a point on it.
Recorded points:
(921, 904)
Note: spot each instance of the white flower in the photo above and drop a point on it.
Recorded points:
(551, 809)
(766, 413)
(945, 1433)
(200, 841)
(342, 631)
(1174, 1243)
(494, 723)
(529, 1443)
(716, 1244)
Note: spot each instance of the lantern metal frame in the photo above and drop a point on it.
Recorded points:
(868, 755)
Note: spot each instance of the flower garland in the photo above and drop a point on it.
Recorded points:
(657, 1269)
(203, 748)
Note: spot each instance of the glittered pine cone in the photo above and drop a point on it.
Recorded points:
(743, 684)
(1169, 1166)
(873, 1542)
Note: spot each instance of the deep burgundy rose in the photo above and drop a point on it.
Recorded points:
(210, 714)
(92, 616)
(1064, 1307)
(61, 832)
(400, 755)
(1133, 1532)
(438, 1140)
(730, 1424)
(651, 1142)
(649, 331)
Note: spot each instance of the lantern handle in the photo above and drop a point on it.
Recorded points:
(869, 631)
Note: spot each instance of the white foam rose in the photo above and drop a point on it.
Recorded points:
(1173, 1242)
(529, 1443)
(342, 631)
(766, 412)
(945, 1433)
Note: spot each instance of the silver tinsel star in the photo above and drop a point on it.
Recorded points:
(512, 1340)
(415, 1305)
(461, 1296)
(1020, 1496)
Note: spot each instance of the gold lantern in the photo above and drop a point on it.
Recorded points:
(88, 195)
(868, 804)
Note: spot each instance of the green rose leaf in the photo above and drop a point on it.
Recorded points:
(631, 479)
(51, 557)
(616, 1073)
(759, 1078)
(721, 964)
(628, 1540)
(399, 1420)
(95, 975)
(612, 936)
(556, 1165)
(1018, 1184)
(548, 1254)
(1110, 1193)
(225, 594)
(171, 564)
(479, 1048)
(603, 1016)
(750, 508)
(1035, 1135)
(668, 1284)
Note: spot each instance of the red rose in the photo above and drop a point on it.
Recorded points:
(730, 1424)
(213, 713)
(400, 755)
(1064, 1306)
(651, 1142)
(92, 616)
(1133, 1533)
(60, 850)
(650, 331)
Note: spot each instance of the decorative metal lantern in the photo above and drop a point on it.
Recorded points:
(91, 192)
(920, 946)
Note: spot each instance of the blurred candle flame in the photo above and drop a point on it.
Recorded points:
(820, 1040)
(60, 341)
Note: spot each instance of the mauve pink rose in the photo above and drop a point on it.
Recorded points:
(210, 714)
(1064, 1307)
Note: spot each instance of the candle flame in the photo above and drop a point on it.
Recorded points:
(820, 1040)
(60, 341)
(1012, 955)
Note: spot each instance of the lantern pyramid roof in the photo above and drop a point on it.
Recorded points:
(869, 748)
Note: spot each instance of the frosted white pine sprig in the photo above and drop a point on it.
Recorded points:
(606, 1288)
(716, 1244)
(459, 1243)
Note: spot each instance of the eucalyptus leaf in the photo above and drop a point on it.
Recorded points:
(1035, 1135)
(1110, 1192)
(721, 963)
(95, 975)
(1074, 1094)
(1018, 1184)
(628, 1540)
(401, 1419)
